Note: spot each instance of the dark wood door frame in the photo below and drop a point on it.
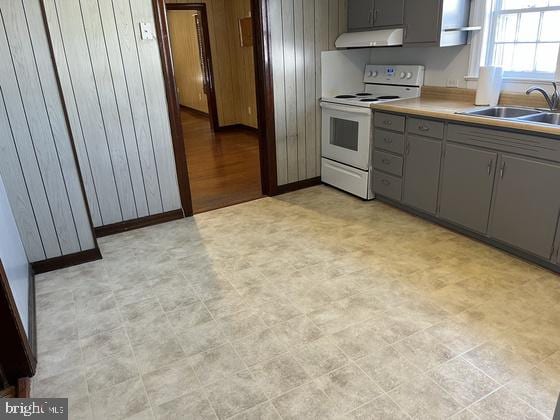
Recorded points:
(206, 57)
(265, 95)
(17, 358)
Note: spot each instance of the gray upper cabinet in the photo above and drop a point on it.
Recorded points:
(388, 13)
(526, 205)
(466, 186)
(365, 15)
(422, 21)
(438, 23)
(360, 15)
(421, 173)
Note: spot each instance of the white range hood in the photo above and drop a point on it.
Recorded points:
(381, 38)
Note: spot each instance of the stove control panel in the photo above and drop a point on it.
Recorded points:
(394, 75)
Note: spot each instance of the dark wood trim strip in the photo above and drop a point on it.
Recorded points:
(23, 388)
(16, 355)
(173, 106)
(155, 219)
(265, 96)
(32, 313)
(65, 261)
(299, 185)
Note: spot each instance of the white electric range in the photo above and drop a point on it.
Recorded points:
(346, 136)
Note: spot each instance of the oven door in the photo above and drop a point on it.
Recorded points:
(346, 134)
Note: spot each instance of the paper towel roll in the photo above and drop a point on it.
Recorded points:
(489, 85)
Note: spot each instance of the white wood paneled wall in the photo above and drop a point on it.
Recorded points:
(113, 86)
(36, 158)
(300, 30)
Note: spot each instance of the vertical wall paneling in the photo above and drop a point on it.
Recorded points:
(113, 83)
(137, 101)
(122, 96)
(36, 156)
(109, 112)
(83, 90)
(310, 88)
(299, 31)
(290, 87)
(154, 87)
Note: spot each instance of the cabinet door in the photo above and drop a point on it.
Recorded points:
(526, 204)
(388, 13)
(422, 21)
(423, 159)
(360, 15)
(466, 186)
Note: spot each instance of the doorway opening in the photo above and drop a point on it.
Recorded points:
(214, 78)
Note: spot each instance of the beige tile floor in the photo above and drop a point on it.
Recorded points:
(313, 305)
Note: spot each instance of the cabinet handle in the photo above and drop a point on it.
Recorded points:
(502, 170)
(387, 140)
(387, 122)
(375, 15)
(386, 161)
(370, 18)
(407, 151)
(490, 165)
(423, 128)
(405, 32)
(385, 182)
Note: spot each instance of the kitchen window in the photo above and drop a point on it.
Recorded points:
(524, 38)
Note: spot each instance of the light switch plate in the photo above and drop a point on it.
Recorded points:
(146, 31)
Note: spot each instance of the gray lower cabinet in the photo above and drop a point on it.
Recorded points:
(526, 204)
(360, 15)
(466, 186)
(421, 173)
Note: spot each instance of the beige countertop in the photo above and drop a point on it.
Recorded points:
(447, 109)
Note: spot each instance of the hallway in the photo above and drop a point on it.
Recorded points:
(224, 167)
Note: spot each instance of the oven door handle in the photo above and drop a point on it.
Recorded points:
(344, 108)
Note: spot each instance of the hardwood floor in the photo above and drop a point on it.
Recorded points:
(224, 167)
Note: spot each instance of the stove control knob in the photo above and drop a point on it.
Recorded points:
(402, 75)
(409, 75)
(372, 73)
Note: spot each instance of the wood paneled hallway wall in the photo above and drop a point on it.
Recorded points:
(234, 69)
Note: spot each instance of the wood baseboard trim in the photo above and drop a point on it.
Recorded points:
(194, 111)
(237, 127)
(65, 261)
(299, 185)
(155, 219)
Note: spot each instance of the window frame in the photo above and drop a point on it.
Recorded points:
(493, 12)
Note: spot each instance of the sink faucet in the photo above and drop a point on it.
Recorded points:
(553, 100)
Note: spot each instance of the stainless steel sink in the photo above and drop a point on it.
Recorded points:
(502, 112)
(543, 118)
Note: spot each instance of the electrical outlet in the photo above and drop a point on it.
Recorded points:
(452, 83)
(146, 31)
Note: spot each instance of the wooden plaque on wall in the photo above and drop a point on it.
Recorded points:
(246, 31)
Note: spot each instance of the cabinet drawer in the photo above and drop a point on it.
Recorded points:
(387, 185)
(426, 128)
(389, 121)
(387, 162)
(387, 140)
